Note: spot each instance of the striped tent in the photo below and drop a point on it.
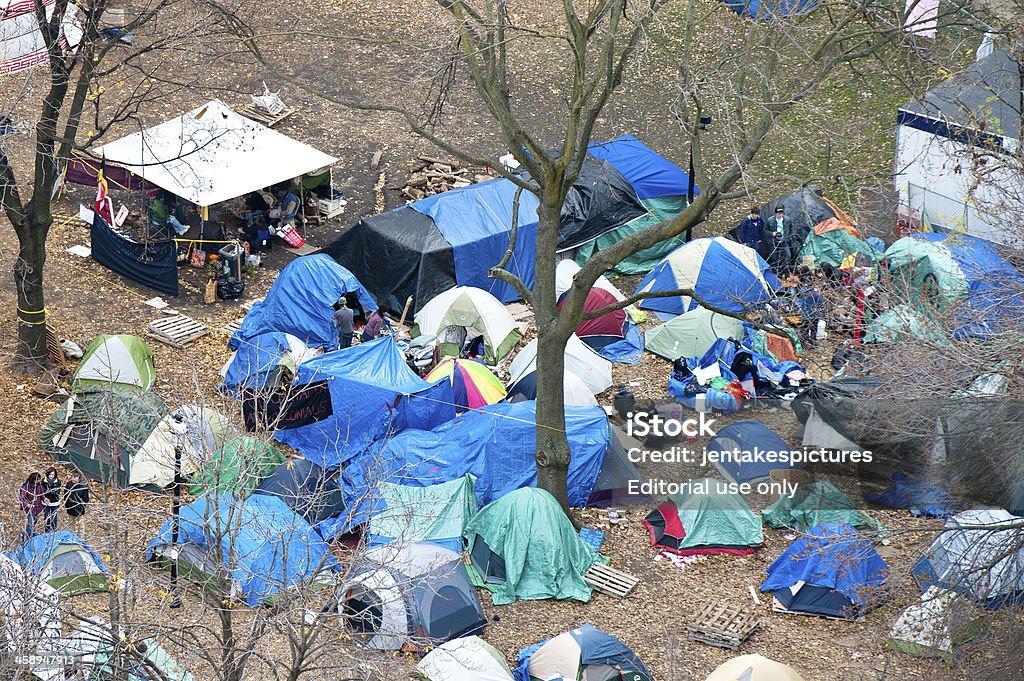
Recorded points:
(473, 384)
(21, 42)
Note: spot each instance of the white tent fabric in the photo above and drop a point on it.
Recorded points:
(593, 369)
(113, 362)
(565, 272)
(21, 43)
(29, 610)
(575, 392)
(464, 659)
(468, 307)
(933, 623)
(753, 668)
(212, 154)
(154, 462)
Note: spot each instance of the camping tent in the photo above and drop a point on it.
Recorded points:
(936, 626)
(410, 593)
(592, 368)
(833, 572)
(436, 513)
(692, 333)
(473, 384)
(833, 240)
(574, 391)
(92, 644)
(922, 497)
(261, 362)
(804, 208)
(612, 487)
(565, 273)
(753, 668)
(372, 393)
(464, 659)
(266, 547)
(523, 546)
(64, 561)
(299, 302)
(816, 503)
(904, 323)
(307, 489)
(754, 445)
(586, 652)
(613, 335)
(237, 467)
(720, 272)
(709, 520)
(211, 154)
(470, 308)
(21, 42)
(976, 558)
(124, 360)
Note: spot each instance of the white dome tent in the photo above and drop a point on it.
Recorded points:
(593, 369)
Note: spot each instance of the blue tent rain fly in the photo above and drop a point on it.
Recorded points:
(308, 489)
(744, 451)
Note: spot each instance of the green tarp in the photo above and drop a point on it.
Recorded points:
(929, 271)
(816, 503)
(641, 262)
(237, 467)
(102, 669)
(543, 556)
(716, 518)
(425, 513)
(833, 247)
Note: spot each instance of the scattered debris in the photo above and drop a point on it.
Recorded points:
(80, 250)
(429, 176)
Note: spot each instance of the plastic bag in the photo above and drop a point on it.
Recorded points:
(229, 288)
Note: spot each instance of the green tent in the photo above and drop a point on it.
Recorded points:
(712, 519)
(902, 323)
(153, 656)
(937, 626)
(834, 246)
(929, 271)
(237, 467)
(120, 360)
(691, 334)
(425, 513)
(641, 262)
(816, 503)
(523, 546)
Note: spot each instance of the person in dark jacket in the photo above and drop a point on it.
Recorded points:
(751, 230)
(76, 496)
(52, 487)
(780, 228)
(30, 498)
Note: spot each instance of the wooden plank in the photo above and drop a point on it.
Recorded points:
(177, 331)
(261, 116)
(609, 580)
(305, 249)
(233, 326)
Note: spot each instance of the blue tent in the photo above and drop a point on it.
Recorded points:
(920, 497)
(299, 302)
(770, 9)
(373, 394)
(258, 358)
(569, 655)
(752, 446)
(833, 571)
(308, 489)
(496, 444)
(63, 560)
(650, 175)
(266, 547)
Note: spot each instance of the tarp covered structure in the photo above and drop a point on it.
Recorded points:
(261, 362)
(308, 489)
(211, 154)
(464, 659)
(816, 503)
(936, 626)
(436, 513)
(833, 572)
(833, 240)
(266, 547)
(921, 497)
(371, 394)
(470, 308)
(22, 45)
(905, 323)
(299, 303)
(523, 546)
(237, 467)
(709, 520)
(743, 450)
(804, 208)
(586, 652)
(593, 369)
(720, 272)
(123, 360)
(767, 10)
(63, 560)
(152, 263)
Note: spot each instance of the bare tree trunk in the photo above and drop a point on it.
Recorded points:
(28, 279)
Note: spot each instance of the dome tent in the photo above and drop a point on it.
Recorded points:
(756, 668)
(705, 522)
(936, 626)
(470, 308)
(237, 467)
(307, 489)
(122, 360)
(595, 370)
(574, 391)
(587, 653)
(410, 593)
(691, 334)
(64, 561)
(814, 504)
(748, 438)
(473, 384)
(464, 659)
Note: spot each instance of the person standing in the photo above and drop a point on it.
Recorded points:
(30, 497)
(751, 230)
(51, 498)
(76, 496)
(781, 258)
(344, 322)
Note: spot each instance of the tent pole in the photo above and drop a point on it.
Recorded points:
(175, 509)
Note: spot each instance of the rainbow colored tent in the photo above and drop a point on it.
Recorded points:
(473, 384)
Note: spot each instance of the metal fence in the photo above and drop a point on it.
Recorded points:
(945, 214)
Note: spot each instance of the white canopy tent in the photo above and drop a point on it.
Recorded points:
(211, 154)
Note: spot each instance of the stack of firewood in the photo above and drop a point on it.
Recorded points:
(430, 176)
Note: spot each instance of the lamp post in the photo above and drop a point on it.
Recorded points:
(178, 426)
(691, 189)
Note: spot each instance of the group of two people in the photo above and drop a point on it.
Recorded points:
(754, 232)
(344, 318)
(42, 496)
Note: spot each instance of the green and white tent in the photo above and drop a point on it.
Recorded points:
(523, 546)
(464, 659)
(936, 626)
(816, 503)
(475, 310)
(122, 360)
(237, 467)
(432, 513)
(708, 521)
(691, 334)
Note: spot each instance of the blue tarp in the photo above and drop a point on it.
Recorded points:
(833, 556)
(374, 394)
(476, 221)
(920, 497)
(266, 546)
(650, 175)
(754, 440)
(629, 350)
(595, 648)
(34, 554)
(496, 444)
(307, 489)
(299, 302)
(772, 9)
(255, 361)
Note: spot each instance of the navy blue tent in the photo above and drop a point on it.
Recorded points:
(586, 652)
(360, 394)
(497, 444)
(748, 451)
(308, 489)
(299, 302)
(833, 571)
(920, 497)
(766, 10)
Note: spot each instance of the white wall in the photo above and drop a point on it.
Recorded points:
(929, 161)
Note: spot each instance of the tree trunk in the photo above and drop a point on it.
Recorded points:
(31, 355)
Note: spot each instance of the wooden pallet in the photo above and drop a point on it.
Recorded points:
(261, 116)
(233, 326)
(600, 577)
(723, 625)
(177, 331)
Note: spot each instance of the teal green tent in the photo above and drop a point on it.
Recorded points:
(834, 246)
(237, 467)
(903, 323)
(523, 546)
(435, 513)
(816, 503)
(659, 209)
(691, 334)
(708, 520)
(152, 657)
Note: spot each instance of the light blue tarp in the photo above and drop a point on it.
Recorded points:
(34, 554)
(629, 350)
(770, 9)
(650, 175)
(266, 546)
(299, 302)
(374, 394)
(496, 444)
(255, 361)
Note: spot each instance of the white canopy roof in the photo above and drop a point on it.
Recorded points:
(211, 154)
